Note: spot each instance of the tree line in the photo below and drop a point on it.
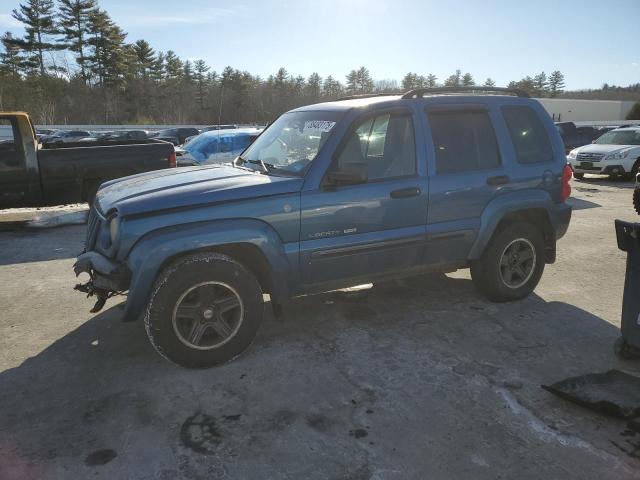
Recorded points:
(74, 64)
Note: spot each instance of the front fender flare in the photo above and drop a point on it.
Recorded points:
(156, 249)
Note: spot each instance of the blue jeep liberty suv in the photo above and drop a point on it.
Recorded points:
(328, 196)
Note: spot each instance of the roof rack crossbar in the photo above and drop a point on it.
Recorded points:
(420, 92)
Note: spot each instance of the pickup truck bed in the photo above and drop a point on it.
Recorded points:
(70, 172)
(33, 175)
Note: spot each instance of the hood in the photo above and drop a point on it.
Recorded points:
(603, 148)
(189, 187)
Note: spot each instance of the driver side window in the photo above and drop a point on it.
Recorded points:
(385, 144)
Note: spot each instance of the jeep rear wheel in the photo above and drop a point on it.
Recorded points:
(205, 310)
(511, 266)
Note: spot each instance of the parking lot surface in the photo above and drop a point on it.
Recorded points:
(415, 379)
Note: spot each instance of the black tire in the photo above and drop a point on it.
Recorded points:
(578, 176)
(636, 199)
(170, 288)
(487, 273)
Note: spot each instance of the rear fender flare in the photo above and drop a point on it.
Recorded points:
(504, 205)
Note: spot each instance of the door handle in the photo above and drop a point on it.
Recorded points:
(406, 192)
(498, 180)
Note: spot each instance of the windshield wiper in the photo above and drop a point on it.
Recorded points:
(267, 167)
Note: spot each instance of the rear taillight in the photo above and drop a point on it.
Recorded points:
(565, 192)
(172, 160)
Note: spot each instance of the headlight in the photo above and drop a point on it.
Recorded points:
(114, 229)
(573, 154)
(618, 155)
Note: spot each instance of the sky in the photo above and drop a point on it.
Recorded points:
(590, 41)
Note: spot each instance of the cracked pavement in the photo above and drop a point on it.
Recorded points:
(415, 379)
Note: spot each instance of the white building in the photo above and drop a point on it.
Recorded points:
(593, 111)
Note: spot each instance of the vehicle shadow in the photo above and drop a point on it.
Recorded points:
(23, 245)
(102, 387)
(604, 181)
(581, 204)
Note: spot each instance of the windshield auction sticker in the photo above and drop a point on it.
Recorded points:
(318, 125)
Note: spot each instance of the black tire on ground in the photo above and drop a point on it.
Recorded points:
(488, 273)
(207, 269)
(636, 199)
(578, 176)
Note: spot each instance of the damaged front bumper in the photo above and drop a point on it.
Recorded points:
(106, 277)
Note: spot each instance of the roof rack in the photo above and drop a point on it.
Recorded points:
(421, 92)
(367, 95)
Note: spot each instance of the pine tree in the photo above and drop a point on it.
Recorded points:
(157, 69)
(526, 85)
(332, 88)
(38, 19)
(556, 83)
(467, 80)
(145, 58)
(454, 80)
(74, 18)
(200, 68)
(10, 61)
(187, 71)
(540, 83)
(364, 81)
(432, 81)
(173, 66)
(489, 82)
(313, 87)
(352, 82)
(634, 113)
(409, 82)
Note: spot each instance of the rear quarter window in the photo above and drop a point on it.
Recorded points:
(463, 141)
(528, 134)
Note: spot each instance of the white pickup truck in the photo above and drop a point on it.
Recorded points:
(616, 153)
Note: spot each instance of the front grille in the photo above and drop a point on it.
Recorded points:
(590, 157)
(93, 225)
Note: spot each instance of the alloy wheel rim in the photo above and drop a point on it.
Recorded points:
(207, 315)
(517, 263)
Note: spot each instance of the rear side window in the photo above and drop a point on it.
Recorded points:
(463, 141)
(528, 134)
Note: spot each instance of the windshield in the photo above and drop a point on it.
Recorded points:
(292, 142)
(620, 137)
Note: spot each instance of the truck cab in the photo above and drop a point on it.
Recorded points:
(18, 164)
(328, 196)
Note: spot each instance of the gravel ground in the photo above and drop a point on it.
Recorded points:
(419, 379)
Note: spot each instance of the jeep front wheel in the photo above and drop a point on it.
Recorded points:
(205, 310)
(511, 266)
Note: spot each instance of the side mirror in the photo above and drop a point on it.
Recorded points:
(348, 174)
